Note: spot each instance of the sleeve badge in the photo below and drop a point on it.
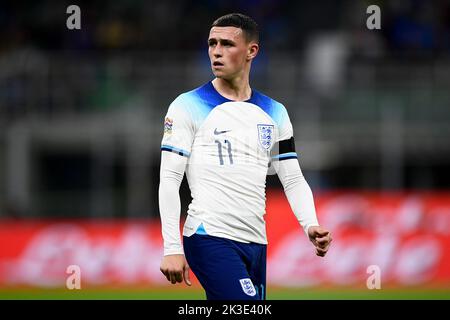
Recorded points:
(168, 123)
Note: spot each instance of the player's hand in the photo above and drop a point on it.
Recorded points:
(175, 268)
(321, 238)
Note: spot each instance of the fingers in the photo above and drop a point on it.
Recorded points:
(186, 276)
(178, 276)
(172, 276)
(165, 273)
(323, 242)
(175, 276)
(322, 247)
(321, 252)
(322, 232)
(316, 233)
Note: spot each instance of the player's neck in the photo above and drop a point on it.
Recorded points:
(237, 90)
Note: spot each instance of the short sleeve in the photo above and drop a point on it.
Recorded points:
(178, 128)
(284, 147)
(285, 130)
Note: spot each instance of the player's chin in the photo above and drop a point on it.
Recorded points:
(219, 74)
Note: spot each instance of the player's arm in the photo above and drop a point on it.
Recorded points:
(299, 195)
(175, 150)
(173, 264)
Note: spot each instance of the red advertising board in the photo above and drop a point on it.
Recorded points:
(405, 235)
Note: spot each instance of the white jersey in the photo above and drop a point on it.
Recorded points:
(229, 147)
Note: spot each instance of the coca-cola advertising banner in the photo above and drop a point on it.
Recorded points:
(402, 237)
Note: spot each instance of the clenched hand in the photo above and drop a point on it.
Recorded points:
(321, 238)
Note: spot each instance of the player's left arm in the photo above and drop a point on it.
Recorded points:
(300, 196)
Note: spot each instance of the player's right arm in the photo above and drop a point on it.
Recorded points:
(173, 264)
(175, 150)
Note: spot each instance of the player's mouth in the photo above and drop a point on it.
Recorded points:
(217, 64)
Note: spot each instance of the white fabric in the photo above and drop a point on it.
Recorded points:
(225, 153)
(298, 192)
(181, 132)
(171, 176)
(296, 188)
(228, 187)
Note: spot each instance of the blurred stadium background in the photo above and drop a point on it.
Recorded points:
(81, 123)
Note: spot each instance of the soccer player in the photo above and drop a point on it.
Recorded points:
(225, 136)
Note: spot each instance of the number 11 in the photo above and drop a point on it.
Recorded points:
(219, 148)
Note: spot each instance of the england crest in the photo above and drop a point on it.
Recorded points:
(265, 135)
(248, 287)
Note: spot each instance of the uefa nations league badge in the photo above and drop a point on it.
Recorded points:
(265, 135)
(168, 123)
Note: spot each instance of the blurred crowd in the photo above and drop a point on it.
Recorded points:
(81, 110)
(412, 26)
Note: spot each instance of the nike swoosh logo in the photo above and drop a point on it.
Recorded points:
(220, 132)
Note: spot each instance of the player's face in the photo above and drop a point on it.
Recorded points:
(229, 51)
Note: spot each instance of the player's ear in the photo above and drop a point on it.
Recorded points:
(252, 51)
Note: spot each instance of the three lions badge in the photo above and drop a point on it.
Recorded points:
(248, 287)
(265, 135)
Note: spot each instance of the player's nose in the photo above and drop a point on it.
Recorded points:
(217, 51)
